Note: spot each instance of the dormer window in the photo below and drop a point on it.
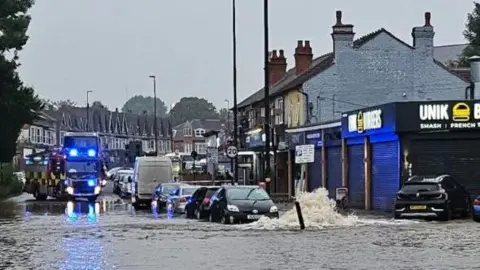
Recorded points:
(187, 132)
(199, 132)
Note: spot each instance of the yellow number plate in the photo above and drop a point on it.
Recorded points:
(418, 207)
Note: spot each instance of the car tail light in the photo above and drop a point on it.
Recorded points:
(182, 199)
(476, 202)
(206, 201)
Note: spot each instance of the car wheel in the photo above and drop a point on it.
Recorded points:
(396, 216)
(447, 214)
(224, 219)
(476, 218)
(197, 214)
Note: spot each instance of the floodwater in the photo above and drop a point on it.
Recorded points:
(110, 235)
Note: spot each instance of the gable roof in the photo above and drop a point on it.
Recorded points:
(291, 80)
(448, 53)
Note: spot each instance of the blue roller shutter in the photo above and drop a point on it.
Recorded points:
(334, 169)
(385, 174)
(356, 176)
(315, 171)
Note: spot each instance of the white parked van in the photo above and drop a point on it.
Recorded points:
(148, 173)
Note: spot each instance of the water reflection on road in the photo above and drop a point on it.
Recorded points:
(111, 235)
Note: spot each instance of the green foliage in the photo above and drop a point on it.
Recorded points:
(18, 103)
(140, 104)
(9, 185)
(189, 108)
(472, 34)
(224, 113)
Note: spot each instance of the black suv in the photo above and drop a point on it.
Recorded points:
(438, 197)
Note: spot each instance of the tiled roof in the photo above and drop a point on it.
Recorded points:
(320, 64)
(206, 124)
(448, 53)
(105, 121)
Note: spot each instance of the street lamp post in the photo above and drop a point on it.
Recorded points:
(266, 125)
(88, 110)
(154, 79)
(235, 109)
(228, 131)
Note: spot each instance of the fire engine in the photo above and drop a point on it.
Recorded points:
(44, 174)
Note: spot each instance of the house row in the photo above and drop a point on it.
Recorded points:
(359, 72)
(116, 129)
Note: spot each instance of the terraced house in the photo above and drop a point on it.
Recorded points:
(116, 129)
(373, 69)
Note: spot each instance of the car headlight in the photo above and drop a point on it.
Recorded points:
(232, 208)
(273, 209)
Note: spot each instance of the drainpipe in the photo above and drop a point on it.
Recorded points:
(474, 76)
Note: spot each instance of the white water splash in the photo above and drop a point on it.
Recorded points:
(318, 212)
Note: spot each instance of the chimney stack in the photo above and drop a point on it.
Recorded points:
(303, 56)
(277, 66)
(423, 37)
(342, 35)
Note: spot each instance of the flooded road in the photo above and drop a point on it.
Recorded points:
(110, 235)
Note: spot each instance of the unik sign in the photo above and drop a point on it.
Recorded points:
(460, 115)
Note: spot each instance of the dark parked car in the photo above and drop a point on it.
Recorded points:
(476, 209)
(234, 204)
(199, 204)
(438, 197)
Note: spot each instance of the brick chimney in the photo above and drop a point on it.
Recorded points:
(342, 35)
(423, 37)
(303, 56)
(277, 66)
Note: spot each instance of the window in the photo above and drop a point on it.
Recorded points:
(187, 147)
(251, 116)
(187, 132)
(279, 111)
(262, 112)
(151, 144)
(201, 148)
(199, 132)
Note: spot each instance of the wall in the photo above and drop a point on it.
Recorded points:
(294, 110)
(382, 70)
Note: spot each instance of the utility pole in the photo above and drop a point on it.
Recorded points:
(155, 111)
(88, 110)
(235, 108)
(266, 125)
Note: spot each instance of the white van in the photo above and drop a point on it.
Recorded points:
(148, 173)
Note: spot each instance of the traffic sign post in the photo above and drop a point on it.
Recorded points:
(232, 151)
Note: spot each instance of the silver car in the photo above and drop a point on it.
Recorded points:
(180, 196)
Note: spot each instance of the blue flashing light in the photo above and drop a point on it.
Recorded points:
(91, 182)
(73, 152)
(91, 152)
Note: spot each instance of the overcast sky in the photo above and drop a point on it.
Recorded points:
(111, 46)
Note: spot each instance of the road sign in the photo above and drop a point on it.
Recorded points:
(232, 151)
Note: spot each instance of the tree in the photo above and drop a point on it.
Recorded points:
(98, 104)
(18, 103)
(224, 114)
(140, 104)
(472, 34)
(189, 108)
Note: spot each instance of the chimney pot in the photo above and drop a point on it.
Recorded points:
(274, 54)
(428, 17)
(282, 54)
(339, 18)
(307, 43)
(300, 44)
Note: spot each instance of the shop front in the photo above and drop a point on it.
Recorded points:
(373, 154)
(441, 137)
(399, 140)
